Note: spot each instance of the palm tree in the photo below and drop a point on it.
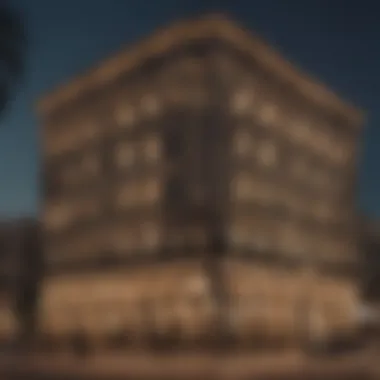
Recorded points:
(12, 49)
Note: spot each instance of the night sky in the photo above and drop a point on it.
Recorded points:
(337, 41)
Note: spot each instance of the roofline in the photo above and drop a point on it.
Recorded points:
(209, 26)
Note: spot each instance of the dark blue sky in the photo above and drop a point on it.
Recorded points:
(337, 41)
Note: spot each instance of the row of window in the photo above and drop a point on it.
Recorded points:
(267, 153)
(63, 213)
(71, 138)
(67, 211)
(265, 193)
(321, 139)
(124, 115)
(127, 114)
(145, 237)
(132, 193)
(126, 155)
(105, 244)
(290, 238)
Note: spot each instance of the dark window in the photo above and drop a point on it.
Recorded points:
(52, 184)
(174, 142)
(175, 189)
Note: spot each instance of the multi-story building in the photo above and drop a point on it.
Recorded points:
(20, 270)
(199, 184)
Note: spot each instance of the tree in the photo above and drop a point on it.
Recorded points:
(12, 49)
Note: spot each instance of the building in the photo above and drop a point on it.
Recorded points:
(370, 241)
(198, 187)
(20, 270)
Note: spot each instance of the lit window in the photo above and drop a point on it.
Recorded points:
(152, 149)
(125, 115)
(300, 131)
(125, 155)
(151, 190)
(268, 113)
(242, 187)
(58, 215)
(238, 235)
(317, 325)
(150, 104)
(197, 286)
(261, 235)
(243, 143)
(241, 101)
(267, 153)
(150, 235)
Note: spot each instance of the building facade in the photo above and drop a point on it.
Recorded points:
(197, 186)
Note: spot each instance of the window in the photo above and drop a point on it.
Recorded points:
(340, 154)
(197, 286)
(242, 186)
(58, 215)
(125, 155)
(150, 104)
(267, 153)
(301, 131)
(261, 234)
(239, 235)
(151, 190)
(149, 235)
(268, 113)
(289, 238)
(126, 195)
(241, 101)
(175, 190)
(243, 144)
(174, 142)
(53, 183)
(152, 149)
(125, 115)
(316, 325)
